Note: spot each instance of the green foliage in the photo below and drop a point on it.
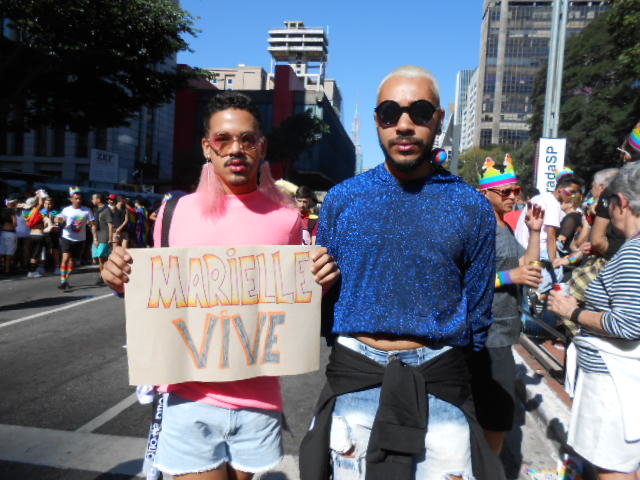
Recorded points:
(89, 63)
(601, 91)
(294, 135)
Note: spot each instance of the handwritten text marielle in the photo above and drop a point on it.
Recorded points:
(214, 281)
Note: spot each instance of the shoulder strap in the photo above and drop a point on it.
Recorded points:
(169, 208)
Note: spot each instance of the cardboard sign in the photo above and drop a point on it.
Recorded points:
(221, 313)
(550, 161)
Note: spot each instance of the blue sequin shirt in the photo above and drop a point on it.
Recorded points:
(416, 259)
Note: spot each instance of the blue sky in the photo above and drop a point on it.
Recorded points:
(367, 39)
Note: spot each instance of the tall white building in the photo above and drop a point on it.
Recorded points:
(468, 122)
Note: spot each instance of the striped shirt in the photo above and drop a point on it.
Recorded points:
(616, 291)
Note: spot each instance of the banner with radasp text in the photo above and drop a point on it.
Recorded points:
(550, 161)
(221, 313)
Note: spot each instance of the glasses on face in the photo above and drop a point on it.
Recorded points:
(506, 192)
(222, 143)
(568, 192)
(389, 112)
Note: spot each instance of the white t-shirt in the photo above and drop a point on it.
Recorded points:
(76, 219)
(553, 215)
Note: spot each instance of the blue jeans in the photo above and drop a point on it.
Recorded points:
(447, 442)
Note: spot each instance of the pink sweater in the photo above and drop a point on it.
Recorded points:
(250, 219)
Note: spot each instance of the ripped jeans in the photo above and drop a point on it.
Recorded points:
(448, 450)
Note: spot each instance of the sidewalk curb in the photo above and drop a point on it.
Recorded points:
(546, 406)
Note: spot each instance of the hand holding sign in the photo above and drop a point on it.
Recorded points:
(221, 313)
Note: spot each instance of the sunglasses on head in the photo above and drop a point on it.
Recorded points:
(223, 142)
(507, 192)
(389, 112)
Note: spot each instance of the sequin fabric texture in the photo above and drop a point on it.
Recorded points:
(416, 259)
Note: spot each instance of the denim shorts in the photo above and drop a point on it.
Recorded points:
(198, 437)
(447, 442)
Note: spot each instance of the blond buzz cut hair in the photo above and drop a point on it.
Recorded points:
(413, 71)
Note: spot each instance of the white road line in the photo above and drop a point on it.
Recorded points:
(107, 415)
(55, 310)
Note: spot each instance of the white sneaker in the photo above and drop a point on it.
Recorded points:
(36, 274)
(30, 274)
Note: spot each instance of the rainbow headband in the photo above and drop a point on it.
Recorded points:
(494, 177)
(73, 190)
(634, 139)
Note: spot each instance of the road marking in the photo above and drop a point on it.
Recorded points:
(93, 452)
(109, 414)
(55, 310)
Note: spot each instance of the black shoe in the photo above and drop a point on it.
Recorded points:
(67, 286)
(63, 286)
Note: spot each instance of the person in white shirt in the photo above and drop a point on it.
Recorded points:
(567, 186)
(75, 218)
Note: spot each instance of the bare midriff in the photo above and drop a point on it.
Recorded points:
(389, 342)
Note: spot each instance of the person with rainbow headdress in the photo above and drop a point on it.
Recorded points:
(493, 369)
(74, 218)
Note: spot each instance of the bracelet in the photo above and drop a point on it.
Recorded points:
(575, 314)
(503, 278)
(574, 258)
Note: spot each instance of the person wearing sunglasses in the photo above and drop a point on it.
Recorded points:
(603, 361)
(493, 368)
(417, 282)
(233, 205)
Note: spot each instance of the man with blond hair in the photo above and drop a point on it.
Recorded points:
(415, 297)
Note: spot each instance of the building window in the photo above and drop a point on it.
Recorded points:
(16, 143)
(82, 144)
(42, 139)
(101, 139)
(3, 137)
(485, 137)
(58, 142)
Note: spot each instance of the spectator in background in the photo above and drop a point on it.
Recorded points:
(524, 195)
(120, 222)
(8, 237)
(52, 233)
(305, 201)
(605, 425)
(493, 369)
(566, 187)
(35, 221)
(21, 257)
(103, 237)
(111, 201)
(605, 239)
(142, 223)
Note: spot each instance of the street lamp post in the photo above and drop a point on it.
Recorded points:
(554, 69)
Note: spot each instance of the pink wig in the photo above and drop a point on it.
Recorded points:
(210, 192)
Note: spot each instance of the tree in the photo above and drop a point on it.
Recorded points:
(88, 63)
(601, 91)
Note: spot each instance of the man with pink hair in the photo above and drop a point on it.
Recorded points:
(226, 430)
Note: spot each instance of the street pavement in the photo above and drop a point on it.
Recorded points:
(68, 412)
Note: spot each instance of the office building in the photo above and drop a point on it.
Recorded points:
(515, 46)
(306, 51)
(241, 78)
(468, 118)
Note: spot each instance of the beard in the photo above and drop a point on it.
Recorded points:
(408, 166)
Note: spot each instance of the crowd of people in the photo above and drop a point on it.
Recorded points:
(40, 234)
(425, 280)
